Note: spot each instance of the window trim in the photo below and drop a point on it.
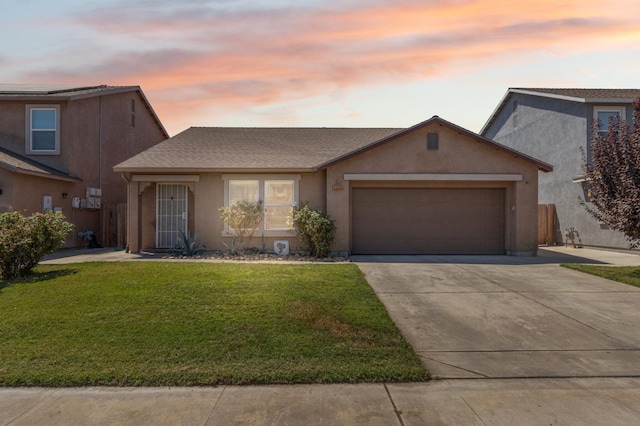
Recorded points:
(29, 129)
(261, 178)
(620, 109)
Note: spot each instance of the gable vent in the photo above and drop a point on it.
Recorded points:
(432, 141)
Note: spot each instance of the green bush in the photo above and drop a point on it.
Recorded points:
(316, 231)
(25, 240)
(243, 218)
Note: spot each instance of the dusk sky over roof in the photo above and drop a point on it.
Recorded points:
(353, 63)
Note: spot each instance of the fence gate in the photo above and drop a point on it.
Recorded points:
(547, 224)
(113, 225)
(171, 210)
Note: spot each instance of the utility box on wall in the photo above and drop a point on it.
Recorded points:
(94, 198)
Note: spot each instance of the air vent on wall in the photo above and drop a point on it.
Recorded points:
(432, 141)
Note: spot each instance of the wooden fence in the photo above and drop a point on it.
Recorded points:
(547, 224)
(113, 225)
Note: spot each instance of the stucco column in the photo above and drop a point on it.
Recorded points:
(338, 209)
(133, 215)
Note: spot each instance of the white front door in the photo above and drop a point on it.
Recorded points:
(171, 213)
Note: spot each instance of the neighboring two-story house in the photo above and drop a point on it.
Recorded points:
(554, 125)
(58, 145)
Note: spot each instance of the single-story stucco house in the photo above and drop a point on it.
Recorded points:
(433, 188)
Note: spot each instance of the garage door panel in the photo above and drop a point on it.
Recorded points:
(429, 221)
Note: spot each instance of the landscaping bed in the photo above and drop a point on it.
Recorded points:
(198, 323)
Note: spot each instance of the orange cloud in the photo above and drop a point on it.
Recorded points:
(189, 56)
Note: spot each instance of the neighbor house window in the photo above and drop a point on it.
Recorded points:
(43, 129)
(603, 114)
(278, 195)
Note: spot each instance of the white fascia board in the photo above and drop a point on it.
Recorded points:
(497, 177)
(548, 95)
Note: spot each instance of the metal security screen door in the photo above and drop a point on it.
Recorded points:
(171, 213)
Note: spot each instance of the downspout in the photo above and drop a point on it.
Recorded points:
(100, 144)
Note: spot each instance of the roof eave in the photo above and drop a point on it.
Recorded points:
(183, 170)
(22, 171)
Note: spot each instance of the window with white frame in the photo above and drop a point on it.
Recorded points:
(278, 195)
(42, 129)
(243, 190)
(603, 114)
(279, 201)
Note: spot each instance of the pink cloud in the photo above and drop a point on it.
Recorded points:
(189, 55)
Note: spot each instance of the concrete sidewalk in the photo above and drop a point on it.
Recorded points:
(451, 402)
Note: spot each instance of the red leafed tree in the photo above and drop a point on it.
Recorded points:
(612, 172)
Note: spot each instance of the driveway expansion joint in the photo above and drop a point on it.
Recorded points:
(483, 376)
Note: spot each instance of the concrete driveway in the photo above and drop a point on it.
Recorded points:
(507, 317)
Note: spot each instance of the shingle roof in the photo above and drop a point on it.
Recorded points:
(20, 164)
(233, 149)
(229, 148)
(57, 91)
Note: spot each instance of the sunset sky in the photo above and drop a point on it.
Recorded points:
(348, 63)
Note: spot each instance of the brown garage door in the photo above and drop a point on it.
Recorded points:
(428, 221)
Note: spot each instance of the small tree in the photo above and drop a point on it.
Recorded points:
(243, 218)
(316, 231)
(25, 240)
(612, 173)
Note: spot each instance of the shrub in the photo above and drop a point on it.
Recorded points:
(243, 218)
(316, 231)
(187, 245)
(25, 240)
(612, 172)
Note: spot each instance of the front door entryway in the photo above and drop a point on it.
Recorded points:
(171, 214)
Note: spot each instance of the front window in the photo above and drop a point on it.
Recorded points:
(603, 116)
(243, 190)
(279, 201)
(278, 195)
(43, 133)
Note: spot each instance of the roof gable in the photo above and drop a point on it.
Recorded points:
(437, 120)
(58, 92)
(581, 95)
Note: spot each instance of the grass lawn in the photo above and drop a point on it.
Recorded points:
(183, 323)
(624, 274)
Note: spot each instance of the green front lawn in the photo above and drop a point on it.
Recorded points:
(624, 274)
(175, 323)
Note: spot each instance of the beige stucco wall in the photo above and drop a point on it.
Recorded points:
(6, 185)
(85, 151)
(206, 197)
(457, 153)
(28, 192)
